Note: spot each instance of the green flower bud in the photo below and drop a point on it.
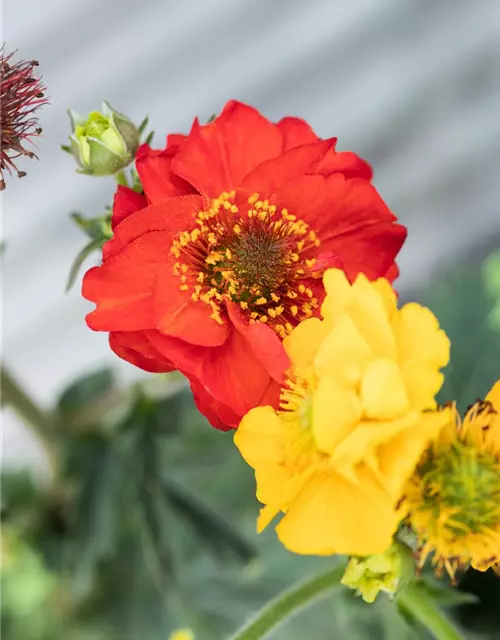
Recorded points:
(104, 143)
(385, 572)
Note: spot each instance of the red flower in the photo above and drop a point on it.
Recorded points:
(224, 253)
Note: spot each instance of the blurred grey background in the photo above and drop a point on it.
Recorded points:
(411, 85)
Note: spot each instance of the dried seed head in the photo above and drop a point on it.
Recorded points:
(22, 93)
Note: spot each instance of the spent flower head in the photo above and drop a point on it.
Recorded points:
(22, 93)
(453, 499)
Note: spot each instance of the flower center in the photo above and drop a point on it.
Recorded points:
(296, 401)
(252, 253)
(464, 482)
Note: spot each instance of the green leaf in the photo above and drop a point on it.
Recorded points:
(219, 534)
(96, 473)
(153, 527)
(447, 596)
(149, 138)
(143, 125)
(84, 394)
(463, 307)
(491, 278)
(420, 610)
(18, 491)
(87, 250)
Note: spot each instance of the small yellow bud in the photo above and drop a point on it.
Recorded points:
(380, 572)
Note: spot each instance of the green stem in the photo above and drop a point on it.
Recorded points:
(415, 602)
(289, 603)
(15, 396)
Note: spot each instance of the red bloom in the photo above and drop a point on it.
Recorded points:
(224, 253)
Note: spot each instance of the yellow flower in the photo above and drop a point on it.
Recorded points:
(181, 634)
(453, 499)
(351, 425)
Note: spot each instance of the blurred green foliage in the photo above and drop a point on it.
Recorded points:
(133, 535)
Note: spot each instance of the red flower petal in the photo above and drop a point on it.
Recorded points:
(170, 217)
(333, 205)
(346, 162)
(177, 315)
(125, 203)
(122, 287)
(134, 347)
(217, 413)
(217, 156)
(157, 178)
(264, 341)
(230, 373)
(286, 168)
(370, 250)
(392, 272)
(175, 139)
(296, 132)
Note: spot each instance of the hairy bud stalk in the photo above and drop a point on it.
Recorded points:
(22, 93)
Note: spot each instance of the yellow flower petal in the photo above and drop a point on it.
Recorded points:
(370, 316)
(422, 384)
(336, 412)
(304, 341)
(383, 392)
(338, 295)
(367, 437)
(388, 295)
(344, 352)
(494, 396)
(419, 338)
(278, 484)
(332, 516)
(399, 456)
(261, 437)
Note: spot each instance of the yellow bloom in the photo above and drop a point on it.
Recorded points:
(351, 425)
(453, 499)
(181, 634)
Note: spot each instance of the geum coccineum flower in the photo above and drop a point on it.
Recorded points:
(352, 421)
(453, 498)
(223, 254)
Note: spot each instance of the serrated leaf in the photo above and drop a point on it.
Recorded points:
(207, 523)
(87, 250)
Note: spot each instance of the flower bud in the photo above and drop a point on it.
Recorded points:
(380, 572)
(103, 143)
(181, 634)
